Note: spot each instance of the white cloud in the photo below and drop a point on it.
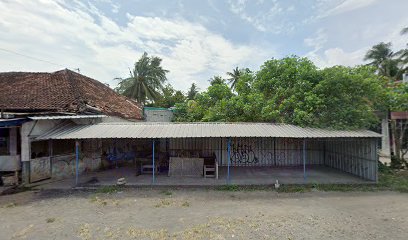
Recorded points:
(326, 8)
(269, 19)
(349, 5)
(337, 56)
(318, 41)
(81, 36)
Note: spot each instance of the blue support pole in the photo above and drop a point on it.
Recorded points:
(304, 160)
(76, 162)
(229, 159)
(153, 162)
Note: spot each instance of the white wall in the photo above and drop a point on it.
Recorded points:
(159, 115)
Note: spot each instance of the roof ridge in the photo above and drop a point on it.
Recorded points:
(130, 100)
(74, 88)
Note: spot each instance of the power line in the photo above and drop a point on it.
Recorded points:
(33, 58)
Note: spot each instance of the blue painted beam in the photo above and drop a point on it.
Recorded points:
(229, 159)
(154, 167)
(76, 161)
(304, 160)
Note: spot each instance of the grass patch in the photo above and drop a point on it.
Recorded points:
(229, 188)
(394, 181)
(163, 203)
(166, 192)
(10, 205)
(168, 202)
(246, 188)
(96, 199)
(50, 220)
(388, 180)
(294, 188)
(108, 189)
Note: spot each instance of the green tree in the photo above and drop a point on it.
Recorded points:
(284, 84)
(292, 90)
(192, 92)
(402, 54)
(345, 98)
(392, 65)
(145, 80)
(397, 94)
(382, 57)
(168, 97)
(216, 80)
(234, 77)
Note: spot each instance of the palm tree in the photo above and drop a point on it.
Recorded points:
(216, 80)
(234, 77)
(144, 81)
(381, 57)
(403, 53)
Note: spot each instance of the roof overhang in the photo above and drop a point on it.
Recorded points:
(196, 130)
(14, 122)
(67, 117)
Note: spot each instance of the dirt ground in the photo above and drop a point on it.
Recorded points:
(203, 214)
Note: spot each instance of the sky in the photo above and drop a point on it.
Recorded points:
(197, 39)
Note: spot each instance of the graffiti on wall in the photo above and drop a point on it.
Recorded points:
(243, 154)
(64, 166)
(276, 158)
(289, 152)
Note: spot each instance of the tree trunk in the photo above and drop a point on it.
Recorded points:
(396, 161)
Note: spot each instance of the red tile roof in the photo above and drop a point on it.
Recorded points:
(63, 91)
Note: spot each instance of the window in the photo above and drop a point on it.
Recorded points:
(63, 147)
(39, 149)
(4, 141)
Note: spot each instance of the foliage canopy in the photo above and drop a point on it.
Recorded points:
(292, 90)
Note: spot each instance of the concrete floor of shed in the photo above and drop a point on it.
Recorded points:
(239, 176)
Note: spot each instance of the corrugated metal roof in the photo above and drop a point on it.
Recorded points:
(66, 117)
(196, 130)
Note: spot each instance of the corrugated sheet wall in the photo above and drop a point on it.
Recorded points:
(277, 152)
(355, 156)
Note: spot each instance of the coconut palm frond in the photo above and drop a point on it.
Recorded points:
(145, 80)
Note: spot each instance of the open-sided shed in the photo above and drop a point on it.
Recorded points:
(234, 146)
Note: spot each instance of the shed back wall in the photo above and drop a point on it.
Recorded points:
(278, 152)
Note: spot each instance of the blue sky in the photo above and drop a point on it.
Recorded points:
(196, 39)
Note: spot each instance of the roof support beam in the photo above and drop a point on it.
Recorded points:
(229, 159)
(304, 160)
(153, 163)
(76, 161)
